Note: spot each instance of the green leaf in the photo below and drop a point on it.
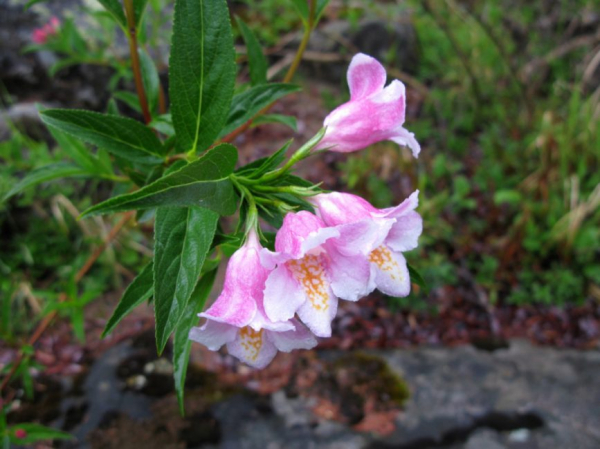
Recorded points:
(121, 136)
(416, 277)
(202, 183)
(286, 120)
(302, 8)
(257, 168)
(140, 289)
(201, 72)
(321, 4)
(256, 59)
(163, 124)
(36, 432)
(129, 98)
(181, 341)
(115, 9)
(138, 9)
(112, 108)
(43, 174)
(30, 3)
(150, 79)
(182, 239)
(512, 197)
(245, 105)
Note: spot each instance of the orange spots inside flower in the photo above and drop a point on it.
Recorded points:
(309, 272)
(382, 257)
(251, 341)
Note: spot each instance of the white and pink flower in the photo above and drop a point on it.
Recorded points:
(373, 114)
(238, 320)
(394, 230)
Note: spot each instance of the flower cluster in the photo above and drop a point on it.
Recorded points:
(281, 300)
(41, 35)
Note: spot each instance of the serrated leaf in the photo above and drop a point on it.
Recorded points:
(201, 72)
(286, 120)
(149, 79)
(256, 59)
(121, 136)
(36, 432)
(202, 183)
(245, 105)
(44, 174)
(140, 289)
(182, 239)
(181, 341)
(115, 8)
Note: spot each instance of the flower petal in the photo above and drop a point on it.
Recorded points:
(339, 208)
(389, 272)
(302, 232)
(366, 76)
(405, 233)
(299, 338)
(406, 206)
(252, 347)
(283, 294)
(320, 305)
(318, 316)
(244, 284)
(213, 335)
(350, 276)
(404, 137)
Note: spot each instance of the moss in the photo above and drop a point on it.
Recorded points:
(371, 375)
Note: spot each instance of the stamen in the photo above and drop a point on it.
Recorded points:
(382, 257)
(251, 341)
(310, 273)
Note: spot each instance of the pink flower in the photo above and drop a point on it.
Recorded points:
(373, 114)
(41, 35)
(314, 265)
(237, 318)
(396, 230)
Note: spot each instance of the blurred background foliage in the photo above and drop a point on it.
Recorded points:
(503, 96)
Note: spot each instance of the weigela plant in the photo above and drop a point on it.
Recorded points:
(179, 169)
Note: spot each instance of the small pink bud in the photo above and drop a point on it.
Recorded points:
(20, 434)
(374, 113)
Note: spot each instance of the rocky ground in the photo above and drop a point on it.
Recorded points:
(519, 397)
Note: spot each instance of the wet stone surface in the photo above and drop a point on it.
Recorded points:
(520, 397)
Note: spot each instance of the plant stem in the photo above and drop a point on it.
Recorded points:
(307, 30)
(288, 76)
(135, 60)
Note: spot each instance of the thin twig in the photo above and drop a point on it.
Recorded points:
(288, 76)
(43, 325)
(135, 60)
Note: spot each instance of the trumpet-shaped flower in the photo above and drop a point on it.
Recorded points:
(238, 319)
(374, 112)
(397, 229)
(313, 265)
